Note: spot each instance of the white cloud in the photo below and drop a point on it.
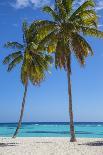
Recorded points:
(26, 3)
(39, 3)
(20, 4)
(100, 25)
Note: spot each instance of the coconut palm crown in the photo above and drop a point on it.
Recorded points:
(33, 63)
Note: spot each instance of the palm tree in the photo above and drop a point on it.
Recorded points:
(63, 35)
(33, 65)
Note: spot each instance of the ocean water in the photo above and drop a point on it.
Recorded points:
(90, 130)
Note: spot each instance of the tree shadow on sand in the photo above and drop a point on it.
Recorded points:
(96, 143)
(7, 144)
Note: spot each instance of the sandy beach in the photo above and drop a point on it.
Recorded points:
(50, 146)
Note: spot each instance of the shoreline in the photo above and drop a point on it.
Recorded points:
(50, 146)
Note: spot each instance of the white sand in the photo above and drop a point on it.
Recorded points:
(50, 146)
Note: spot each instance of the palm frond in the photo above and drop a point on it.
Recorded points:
(86, 18)
(25, 32)
(81, 48)
(14, 45)
(36, 75)
(49, 40)
(49, 10)
(40, 23)
(83, 7)
(44, 31)
(11, 56)
(68, 5)
(14, 63)
(61, 9)
(92, 32)
(85, 45)
(24, 26)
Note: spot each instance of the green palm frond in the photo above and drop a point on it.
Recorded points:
(49, 59)
(49, 10)
(12, 56)
(86, 18)
(83, 7)
(49, 40)
(40, 29)
(61, 55)
(87, 14)
(61, 9)
(90, 13)
(36, 76)
(14, 63)
(68, 5)
(78, 51)
(14, 45)
(92, 32)
(43, 32)
(85, 47)
(81, 48)
(38, 64)
(36, 25)
(25, 32)
(24, 27)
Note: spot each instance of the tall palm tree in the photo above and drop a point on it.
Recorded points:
(64, 35)
(33, 65)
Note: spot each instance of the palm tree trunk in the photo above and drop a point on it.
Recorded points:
(72, 131)
(22, 112)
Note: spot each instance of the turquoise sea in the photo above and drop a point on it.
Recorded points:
(88, 129)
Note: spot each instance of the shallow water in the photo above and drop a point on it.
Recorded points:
(90, 130)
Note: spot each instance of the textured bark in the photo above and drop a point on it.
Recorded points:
(72, 131)
(22, 112)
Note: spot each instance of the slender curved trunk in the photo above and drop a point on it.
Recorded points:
(72, 131)
(22, 112)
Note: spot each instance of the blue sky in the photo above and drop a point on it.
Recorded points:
(49, 102)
